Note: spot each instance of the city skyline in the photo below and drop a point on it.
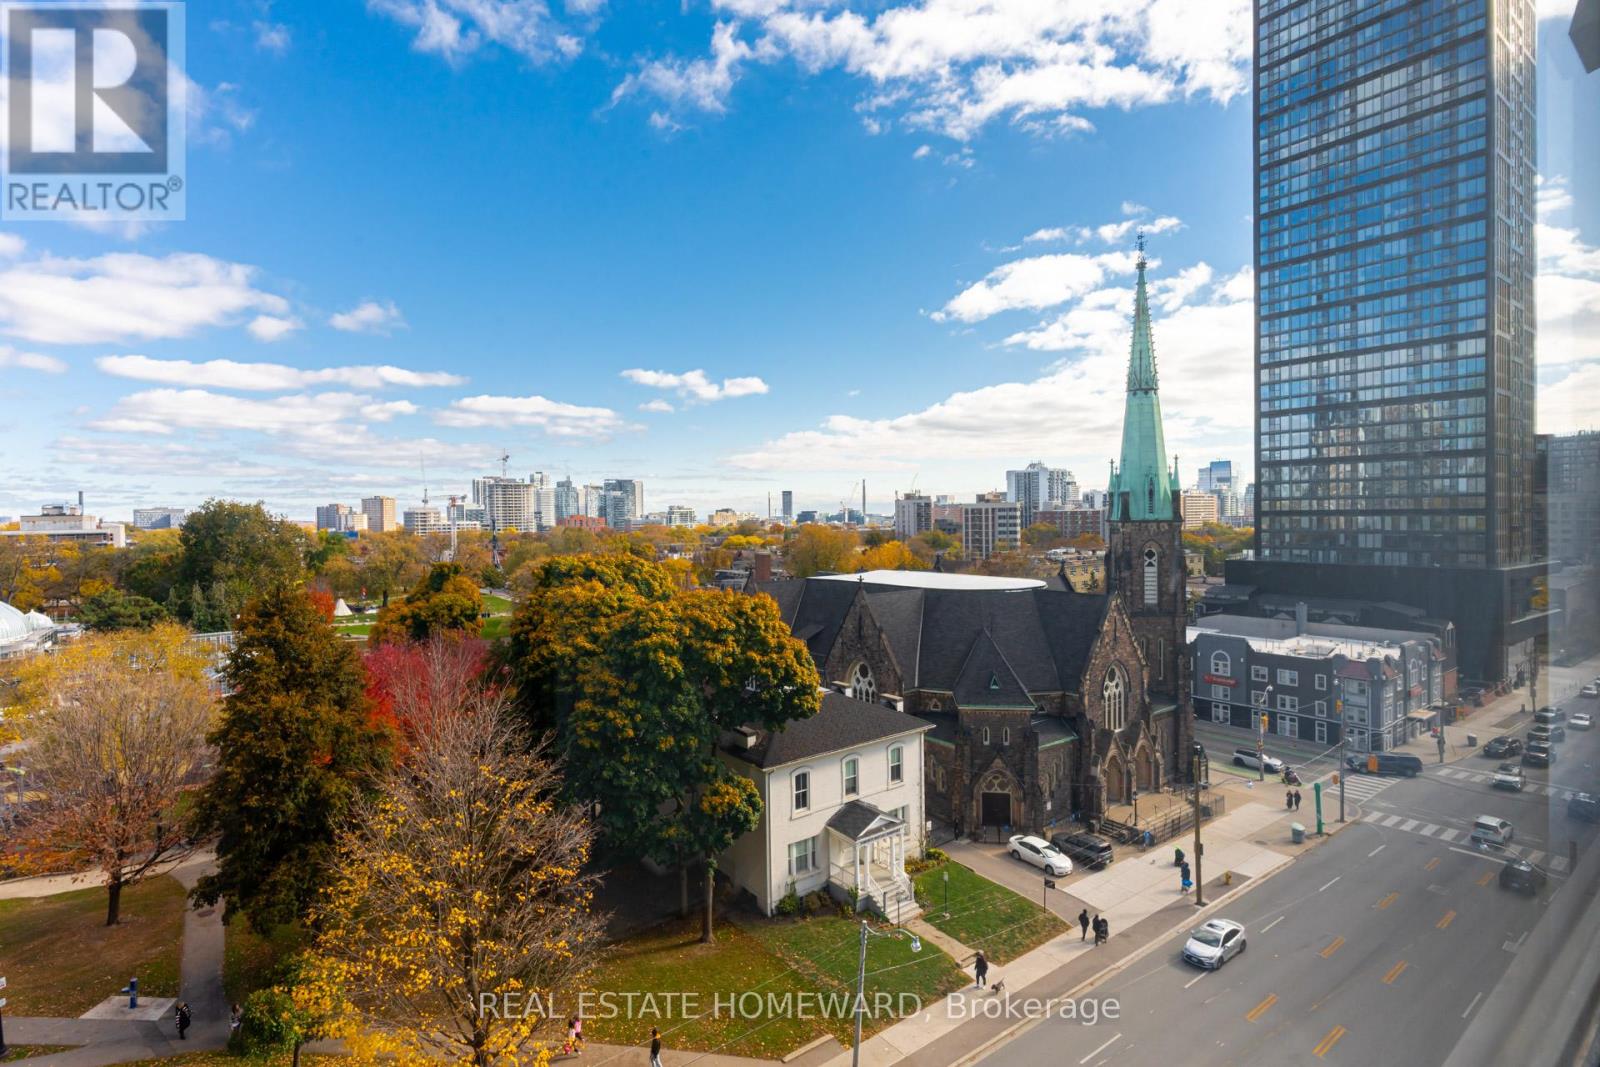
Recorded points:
(962, 313)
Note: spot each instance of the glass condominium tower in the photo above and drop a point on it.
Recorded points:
(1395, 189)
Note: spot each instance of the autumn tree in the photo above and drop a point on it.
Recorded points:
(389, 561)
(296, 744)
(818, 549)
(113, 609)
(233, 551)
(27, 571)
(446, 600)
(458, 886)
(115, 728)
(890, 556)
(1041, 535)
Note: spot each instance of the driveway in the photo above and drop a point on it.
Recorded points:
(994, 863)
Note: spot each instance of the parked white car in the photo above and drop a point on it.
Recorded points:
(1591, 691)
(1246, 757)
(1041, 853)
(1213, 943)
(1581, 720)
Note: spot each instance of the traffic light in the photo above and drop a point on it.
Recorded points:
(1335, 777)
(1263, 721)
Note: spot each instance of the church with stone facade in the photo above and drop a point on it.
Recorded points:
(1046, 703)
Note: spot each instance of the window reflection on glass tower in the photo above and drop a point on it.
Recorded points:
(1395, 199)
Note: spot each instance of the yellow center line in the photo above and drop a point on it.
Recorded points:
(1448, 918)
(1261, 1009)
(1386, 901)
(1394, 972)
(1431, 864)
(1488, 876)
(1333, 946)
(1327, 1043)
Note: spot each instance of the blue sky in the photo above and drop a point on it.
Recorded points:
(729, 248)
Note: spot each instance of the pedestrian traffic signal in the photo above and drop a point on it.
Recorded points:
(1335, 777)
(1263, 721)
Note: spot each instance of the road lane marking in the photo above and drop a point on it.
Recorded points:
(1429, 830)
(1488, 876)
(1273, 923)
(1394, 972)
(1445, 920)
(1431, 864)
(1333, 946)
(1386, 901)
(1335, 879)
(1377, 850)
(1393, 820)
(1372, 816)
(1327, 1043)
(1261, 1009)
(1449, 834)
(1195, 979)
(1409, 825)
(1474, 1004)
(1101, 1049)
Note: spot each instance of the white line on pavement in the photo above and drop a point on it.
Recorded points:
(1335, 879)
(1377, 850)
(1464, 1014)
(1273, 923)
(1195, 979)
(1105, 1046)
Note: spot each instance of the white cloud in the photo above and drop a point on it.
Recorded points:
(1110, 233)
(554, 417)
(455, 29)
(954, 66)
(369, 316)
(695, 386)
(1034, 283)
(273, 327)
(267, 377)
(1556, 9)
(1566, 399)
(126, 296)
(11, 245)
(272, 37)
(922, 151)
(1553, 195)
(11, 357)
(658, 406)
(1568, 301)
(166, 411)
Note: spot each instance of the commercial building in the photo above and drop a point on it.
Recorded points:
(381, 512)
(990, 524)
(159, 518)
(568, 500)
(1036, 487)
(1295, 673)
(913, 515)
(1394, 265)
(427, 520)
(1567, 492)
(621, 501)
(1215, 477)
(788, 505)
(1199, 509)
(680, 515)
(65, 523)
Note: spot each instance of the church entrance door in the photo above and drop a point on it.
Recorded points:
(997, 809)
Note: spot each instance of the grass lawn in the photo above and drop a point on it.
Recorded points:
(61, 959)
(984, 915)
(250, 960)
(22, 1052)
(496, 627)
(496, 605)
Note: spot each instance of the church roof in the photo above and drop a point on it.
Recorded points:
(1142, 487)
(1039, 637)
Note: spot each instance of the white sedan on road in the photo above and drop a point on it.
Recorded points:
(1040, 853)
(1213, 943)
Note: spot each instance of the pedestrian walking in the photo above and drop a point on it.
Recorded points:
(1288, 799)
(1297, 800)
(980, 967)
(1184, 884)
(184, 1018)
(575, 1034)
(1083, 923)
(1097, 931)
(655, 1047)
(1177, 857)
(235, 1019)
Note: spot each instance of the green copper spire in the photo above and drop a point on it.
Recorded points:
(1142, 486)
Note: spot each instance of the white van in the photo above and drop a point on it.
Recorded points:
(1491, 830)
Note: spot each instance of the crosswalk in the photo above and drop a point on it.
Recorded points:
(1454, 835)
(1529, 785)
(1357, 787)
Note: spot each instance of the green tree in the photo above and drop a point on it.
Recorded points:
(240, 549)
(113, 609)
(295, 745)
(445, 601)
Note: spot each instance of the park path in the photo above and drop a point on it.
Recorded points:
(107, 1041)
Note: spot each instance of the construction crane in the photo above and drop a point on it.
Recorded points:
(454, 503)
(505, 461)
(424, 460)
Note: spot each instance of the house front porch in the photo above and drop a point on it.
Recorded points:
(867, 855)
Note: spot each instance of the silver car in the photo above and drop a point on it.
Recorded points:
(1213, 943)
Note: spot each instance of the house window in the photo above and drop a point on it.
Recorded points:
(1114, 699)
(1258, 674)
(852, 776)
(1152, 571)
(902, 813)
(935, 705)
(1288, 703)
(802, 790)
(1288, 726)
(1259, 698)
(897, 764)
(1321, 731)
(1221, 692)
(1288, 677)
(862, 685)
(1321, 682)
(986, 735)
(803, 856)
(1221, 665)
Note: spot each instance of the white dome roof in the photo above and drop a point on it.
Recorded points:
(13, 624)
(39, 621)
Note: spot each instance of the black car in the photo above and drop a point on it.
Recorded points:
(1538, 754)
(1385, 763)
(1584, 806)
(1549, 715)
(1088, 850)
(1503, 748)
(1522, 876)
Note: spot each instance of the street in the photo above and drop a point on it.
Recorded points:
(1377, 947)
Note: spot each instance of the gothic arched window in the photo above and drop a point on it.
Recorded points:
(1114, 700)
(1152, 571)
(862, 685)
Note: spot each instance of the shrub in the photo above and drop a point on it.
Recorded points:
(789, 906)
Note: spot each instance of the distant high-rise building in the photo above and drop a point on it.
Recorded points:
(159, 518)
(1571, 490)
(420, 521)
(788, 505)
(508, 504)
(990, 524)
(680, 515)
(380, 513)
(1395, 190)
(1215, 477)
(913, 515)
(621, 501)
(334, 516)
(1037, 486)
(568, 501)
(1199, 508)
(592, 498)
(545, 509)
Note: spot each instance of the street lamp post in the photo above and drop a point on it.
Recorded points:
(861, 980)
(1261, 737)
(1199, 880)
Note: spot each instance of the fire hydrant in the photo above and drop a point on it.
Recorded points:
(1227, 877)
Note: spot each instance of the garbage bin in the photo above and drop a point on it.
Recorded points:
(1297, 833)
(1472, 740)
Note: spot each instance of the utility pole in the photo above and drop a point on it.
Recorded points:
(1199, 880)
(861, 996)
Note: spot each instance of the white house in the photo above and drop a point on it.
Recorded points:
(841, 796)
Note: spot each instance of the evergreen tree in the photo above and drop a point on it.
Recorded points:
(296, 743)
